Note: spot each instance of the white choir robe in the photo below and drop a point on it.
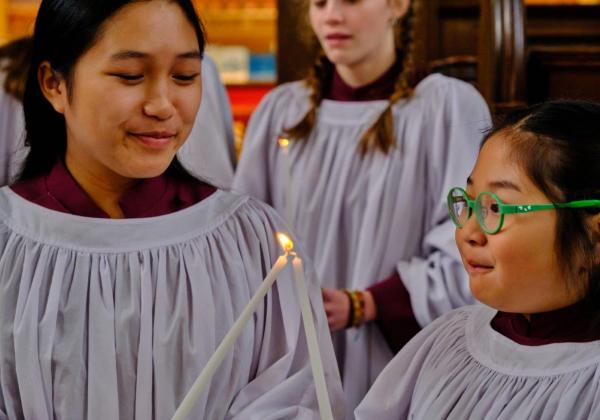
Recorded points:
(209, 151)
(361, 218)
(115, 319)
(12, 134)
(459, 367)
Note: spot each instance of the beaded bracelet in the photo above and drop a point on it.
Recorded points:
(357, 308)
(351, 310)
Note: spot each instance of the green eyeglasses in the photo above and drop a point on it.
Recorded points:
(490, 210)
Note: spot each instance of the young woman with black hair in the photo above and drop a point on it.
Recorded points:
(528, 231)
(114, 319)
(373, 151)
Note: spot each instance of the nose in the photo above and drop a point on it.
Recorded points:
(158, 103)
(471, 233)
(333, 12)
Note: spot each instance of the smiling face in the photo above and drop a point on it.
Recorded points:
(355, 32)
(134, 94)
(515, 270)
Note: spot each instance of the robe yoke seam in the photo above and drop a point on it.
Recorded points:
(485, 361)
(9, 223)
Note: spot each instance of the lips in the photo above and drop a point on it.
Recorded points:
(337, 38)
(154, 139)
(477, 267)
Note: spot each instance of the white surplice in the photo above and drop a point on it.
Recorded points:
(114, 319)
(459, 367)
(361, 218)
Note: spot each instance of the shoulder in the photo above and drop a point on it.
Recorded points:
(450, 326)
(455, 319)
(282, 107)
(246, 208)
(440, 85)
(438, 94)
(292, 93)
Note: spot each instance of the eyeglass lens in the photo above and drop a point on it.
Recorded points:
(459, 207)
(488, 214)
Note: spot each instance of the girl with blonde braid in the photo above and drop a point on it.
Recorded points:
(372, 154)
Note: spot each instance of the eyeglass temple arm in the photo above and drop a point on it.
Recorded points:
(527, 208)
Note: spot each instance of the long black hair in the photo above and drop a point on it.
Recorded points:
(557, 144)
(64, 31)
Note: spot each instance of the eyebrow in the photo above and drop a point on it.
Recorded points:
(499, 185)
(130, 54)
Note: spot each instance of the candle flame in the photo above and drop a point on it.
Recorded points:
(283, 142)
(286, 242)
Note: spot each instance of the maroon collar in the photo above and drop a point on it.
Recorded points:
(156, 196)
(570, 324)
(382, 88)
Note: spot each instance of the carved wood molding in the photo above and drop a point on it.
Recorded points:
(501, 71)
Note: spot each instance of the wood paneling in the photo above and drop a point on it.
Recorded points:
(564, 72)
(294, 55)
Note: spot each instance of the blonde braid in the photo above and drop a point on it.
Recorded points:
(318, 81)
(381, 134)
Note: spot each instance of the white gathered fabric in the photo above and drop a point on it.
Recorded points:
(12, 134)
(459, 367)
(209, 151)
(115, 319)
(362, 218)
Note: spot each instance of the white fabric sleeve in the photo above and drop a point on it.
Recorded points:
(436, 281)
(220, 99)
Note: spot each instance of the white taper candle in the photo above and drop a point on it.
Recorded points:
(215, 361)
(287, 180)
(311, 338)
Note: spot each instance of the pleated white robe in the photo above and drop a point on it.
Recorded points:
(209, 151)
(459, 367)
(361, 218)
(114, 319)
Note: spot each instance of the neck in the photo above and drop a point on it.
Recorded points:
(105, 190)
(369, 69)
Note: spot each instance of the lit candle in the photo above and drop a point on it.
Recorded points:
(309, 329)
(284, 145)
(215, 361)
(311, 338)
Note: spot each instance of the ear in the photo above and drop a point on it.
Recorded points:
(53, 87)
(400, 8)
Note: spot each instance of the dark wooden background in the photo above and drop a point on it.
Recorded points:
(511, 52)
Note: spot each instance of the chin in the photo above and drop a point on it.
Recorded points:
(338, 58)
(479, 289)
(146, 170)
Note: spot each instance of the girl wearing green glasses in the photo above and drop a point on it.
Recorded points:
(528, 231)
